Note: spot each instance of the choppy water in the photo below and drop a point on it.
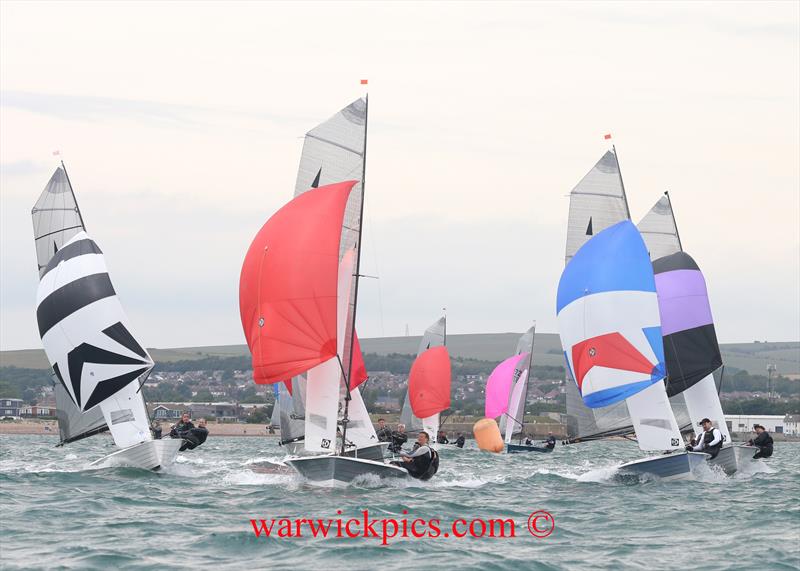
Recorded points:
(56, 513)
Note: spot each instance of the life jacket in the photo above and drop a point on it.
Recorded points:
(432, 468)
(708, 437)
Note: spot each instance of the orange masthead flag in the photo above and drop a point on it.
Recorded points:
(364, 81)
(607, 136)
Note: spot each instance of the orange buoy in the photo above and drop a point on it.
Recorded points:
(487, 435)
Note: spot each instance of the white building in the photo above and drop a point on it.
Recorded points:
(791, 424)
(744, 422)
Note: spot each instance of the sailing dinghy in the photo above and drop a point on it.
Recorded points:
(434, 336)
(507, 392)
(98, 366)
(610, 328)
(690, 340)
(298, 296)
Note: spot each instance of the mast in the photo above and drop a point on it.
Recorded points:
(622, 184)
(347, 396)
(444, 342)
(674, 222)
(77, 206)
(528, 385)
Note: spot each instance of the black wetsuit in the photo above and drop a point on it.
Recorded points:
(384, 434)
(180, 427)
(398, 439)
(460, 441)
(442, 439)
(193, 438)
(424, 462)
(550, 442)
(764, 442)
(156, 430)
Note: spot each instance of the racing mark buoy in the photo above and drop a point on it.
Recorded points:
(487, 435)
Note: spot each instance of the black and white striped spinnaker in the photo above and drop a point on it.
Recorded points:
(98, 366)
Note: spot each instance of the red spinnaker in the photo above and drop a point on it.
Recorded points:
(287, 288)
(611, 350)
(358, 372)
(429, 382)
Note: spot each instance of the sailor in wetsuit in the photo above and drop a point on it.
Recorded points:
(550, 443)
(442, 438)
(423, 461)
(384, 433)
(764, 442)
(399, 437)
(195, 436)
(460, 440)
(710, 441)
(183, 425)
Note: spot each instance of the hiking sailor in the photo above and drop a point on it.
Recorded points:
(460, 440)
(710, 441)
(399, 437)
(194, 437)
(384, 433)
(183, 425)
(763, 441)
(550, 443)
(423, 461)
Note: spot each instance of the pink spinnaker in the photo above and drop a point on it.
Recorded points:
(498, 387)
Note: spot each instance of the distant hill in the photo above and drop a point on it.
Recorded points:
(751, 357)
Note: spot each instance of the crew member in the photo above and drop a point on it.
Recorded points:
(384, 432)
(185, 424)
(442, 438)
(710, 441)
(194, 437)
(423, 461)
(460, 440)
(764, 442)
(399, 437)
(155, 428)
(550, 443)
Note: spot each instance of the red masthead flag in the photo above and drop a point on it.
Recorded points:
(429, 382)
(288, 285)
(364, 81)
(607, 136)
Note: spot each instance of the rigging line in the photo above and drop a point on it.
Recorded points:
(377, 266)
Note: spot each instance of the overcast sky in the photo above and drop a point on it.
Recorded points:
(181, 126)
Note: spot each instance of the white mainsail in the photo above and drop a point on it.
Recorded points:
(659, 231)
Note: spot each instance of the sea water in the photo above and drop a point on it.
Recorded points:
(56, 513)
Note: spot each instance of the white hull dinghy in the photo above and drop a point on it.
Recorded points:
(98, 366)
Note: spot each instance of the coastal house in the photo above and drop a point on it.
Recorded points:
(744, 422)
(161, 412)
(10, 407)
(36, 411)
(791, 424)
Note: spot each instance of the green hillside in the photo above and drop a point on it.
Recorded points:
(750, 357)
